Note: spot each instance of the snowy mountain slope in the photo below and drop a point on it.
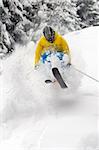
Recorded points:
(85, 53)
(39, 116)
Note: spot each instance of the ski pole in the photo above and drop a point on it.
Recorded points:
(86, 75)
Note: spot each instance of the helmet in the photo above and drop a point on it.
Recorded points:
(49, 34)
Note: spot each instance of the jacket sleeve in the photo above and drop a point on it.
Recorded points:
(38, 52)
(65, 48)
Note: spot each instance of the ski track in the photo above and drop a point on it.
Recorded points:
(39, 116)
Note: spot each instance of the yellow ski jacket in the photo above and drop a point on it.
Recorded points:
(59, 44)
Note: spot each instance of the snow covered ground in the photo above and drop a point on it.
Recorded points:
(36, 116)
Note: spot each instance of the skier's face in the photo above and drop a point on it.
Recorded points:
(50, 38)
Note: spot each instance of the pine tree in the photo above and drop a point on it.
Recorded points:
(23, 20)
(17, 19)
(61, 15)
(88, 11)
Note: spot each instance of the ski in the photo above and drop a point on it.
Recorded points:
(48, 81)
(59, 78)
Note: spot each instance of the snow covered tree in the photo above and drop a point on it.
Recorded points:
(24, 20)
(6, 41)
(14, 24)
(61, 15)
(88, 11)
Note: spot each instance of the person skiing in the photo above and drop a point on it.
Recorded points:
(53, 41)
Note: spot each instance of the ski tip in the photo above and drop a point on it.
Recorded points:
(54, 69)
(48, 81)
(59, 78)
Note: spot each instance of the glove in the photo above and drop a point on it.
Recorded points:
(69, 64)
(36, 66)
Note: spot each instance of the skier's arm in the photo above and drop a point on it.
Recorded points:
(65, 48)
(38, 52)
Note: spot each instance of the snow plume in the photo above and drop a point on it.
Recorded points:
(24, 90)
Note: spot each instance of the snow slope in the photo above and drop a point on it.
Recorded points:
(39, 116)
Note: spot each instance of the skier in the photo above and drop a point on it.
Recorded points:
(53, 41)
